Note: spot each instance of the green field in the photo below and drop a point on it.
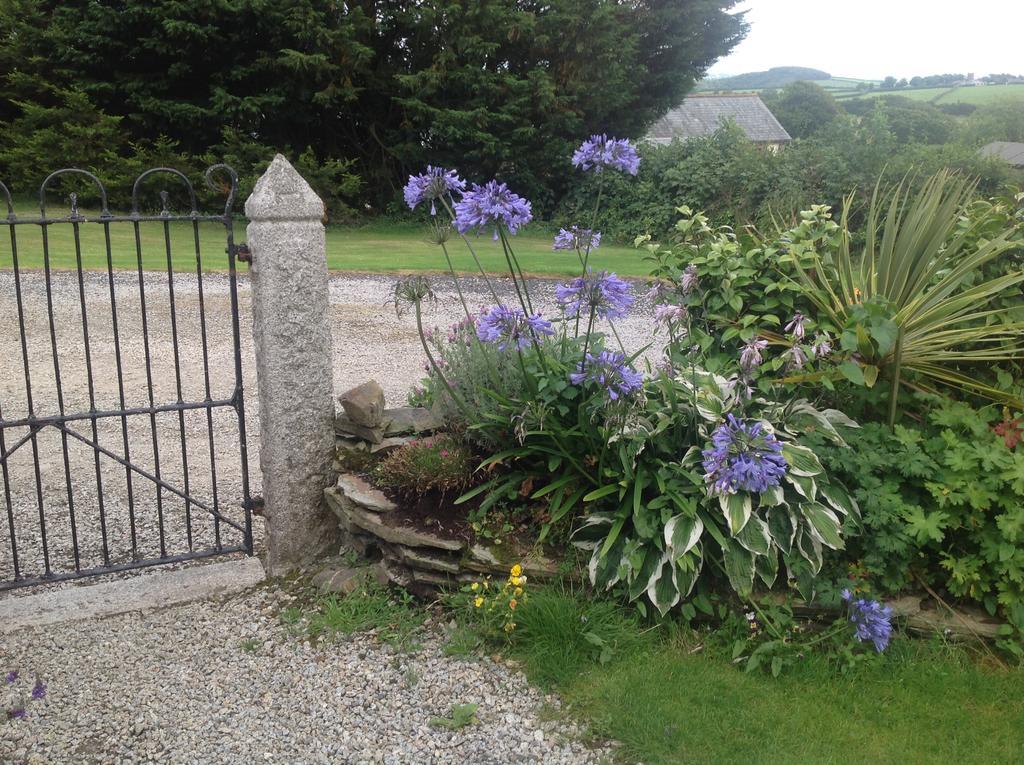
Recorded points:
(377, 248)
(979, 96)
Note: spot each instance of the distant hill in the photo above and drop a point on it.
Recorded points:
(776, 77)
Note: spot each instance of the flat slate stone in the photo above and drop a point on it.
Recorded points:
(361, 493)
(343, 425)
(353, 515)
(419, 560)
(390, 443)
(410, 420)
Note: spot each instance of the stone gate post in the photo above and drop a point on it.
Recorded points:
(292, 333)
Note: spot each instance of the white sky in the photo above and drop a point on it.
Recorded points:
(875, 38)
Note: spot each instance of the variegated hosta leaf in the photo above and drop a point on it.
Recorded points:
(591, 533)
(663, 587)
(688, 571)
(774, 495)
(692, 458)
(805, 486)
(825, 419)
(823, 524)
(767, 567)
(681, 534)
(604, 569)
(839, 498)
(633, 553)
(755, 537)
(737, 509)
(802, 461)
(739, 567)
(642, 574)
(810, 549)
(782, 525)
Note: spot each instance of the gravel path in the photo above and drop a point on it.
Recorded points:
(177, 686)
(370, 341)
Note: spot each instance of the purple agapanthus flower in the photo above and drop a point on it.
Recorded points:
(609, 370)
(39, 689)
(600, 151)
(750, 356)
(492, 204)
(506, 327)
(796, 326)
(873, 620)
(576, 238)
(606, 294)
(17, 713)
(688, 281)
(668, 314)
(743, 457)
(430, 186)
(11, 676)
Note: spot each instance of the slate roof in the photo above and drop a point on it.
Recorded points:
(701, 115)
(1008, 151)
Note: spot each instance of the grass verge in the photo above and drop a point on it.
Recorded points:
(671, 699)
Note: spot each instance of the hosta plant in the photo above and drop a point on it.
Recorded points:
(751, 499)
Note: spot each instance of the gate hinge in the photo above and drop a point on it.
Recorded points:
(242, 252)
(254, 505)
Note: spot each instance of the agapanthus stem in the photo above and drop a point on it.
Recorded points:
(469, 246)
(456, 398)
(513, 266)
(455, 280)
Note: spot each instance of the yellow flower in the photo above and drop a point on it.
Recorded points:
(516, 580)
(510, 626)
(518, 591)
(478, 602)
(475, 586)
(517, 570)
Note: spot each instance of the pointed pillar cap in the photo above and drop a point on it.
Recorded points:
(282, 194)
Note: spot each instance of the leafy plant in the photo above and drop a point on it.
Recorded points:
(461, 716)
(373, 607)
(905, 304)
(440, 463)
(942, 502)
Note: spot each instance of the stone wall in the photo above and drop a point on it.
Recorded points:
(420, 561)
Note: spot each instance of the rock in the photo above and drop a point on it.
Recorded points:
(364, 404)
(391, 443)
(356, 490)
(352, 515)
(483, 555)
(420, 560)
(349, 444)
(408, 420)
(343, 425)
(341, 579)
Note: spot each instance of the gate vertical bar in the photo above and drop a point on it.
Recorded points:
(56, 374)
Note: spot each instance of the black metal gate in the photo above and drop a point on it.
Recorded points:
(122, 417)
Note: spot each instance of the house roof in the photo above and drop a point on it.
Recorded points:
(1008, 151)
(701, 115)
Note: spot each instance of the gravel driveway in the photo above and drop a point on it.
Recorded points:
(227, 683)
(370, 341)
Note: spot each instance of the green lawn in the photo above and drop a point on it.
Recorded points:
(674, 700)
(378, 248)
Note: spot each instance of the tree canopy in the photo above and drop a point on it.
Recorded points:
(494, 87)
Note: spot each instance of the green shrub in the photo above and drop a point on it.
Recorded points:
(942, 503)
